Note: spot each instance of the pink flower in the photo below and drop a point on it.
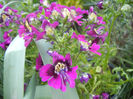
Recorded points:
(59, 73)
(1, 6)
(81, 12)
(7, 39)
(81, 38)
(49, 27)
(97, 33)
(100, 21)
(31, 16)
(76, 19)
(94, 48)
(96, 97)
(39, 62)
(28, 33)
(105, 95)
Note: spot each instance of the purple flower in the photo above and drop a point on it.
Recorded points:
(85, 77)
(97, 32)
(94, 47)
(105, 95)
(1, 6)
(30, 17)
(96, 97)
(27, 32)
(59, 73)
(100, 4)
(7, 39)
(49, 27)
(81, 38)
(100, 21)
(85, 45)
(39, 62)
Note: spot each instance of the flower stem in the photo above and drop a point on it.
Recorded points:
(108, 40)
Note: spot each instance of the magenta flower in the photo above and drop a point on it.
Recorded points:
(81, 38)
(96, 97)
(100, 21)
(94, 47)
(49, 27)
(7, 39)
(28, 32)
(1, 6)
(105, 95)
(60, 72)
(85, 45)
(100, 4)
(81, 12)
(97, 32)
(30, 17)
(39, 62)
(85, 77)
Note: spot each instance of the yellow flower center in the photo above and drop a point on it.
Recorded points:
(96, 31)
(92, 17)
(55, 13)
(84, 44)
(73, 12)
(49, 30)
(59, 67)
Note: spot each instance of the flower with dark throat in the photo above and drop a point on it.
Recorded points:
(60, 72)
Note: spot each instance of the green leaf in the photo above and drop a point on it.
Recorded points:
(129, 70)
(47, 92)
(30, 91)
(14, 69)
(43, 47)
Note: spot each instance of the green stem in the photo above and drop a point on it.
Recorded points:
(76, 58)
(108, 40)
(95, 86)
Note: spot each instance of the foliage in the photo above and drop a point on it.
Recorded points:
(116, 50)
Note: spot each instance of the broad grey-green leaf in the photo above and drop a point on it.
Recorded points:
(47, 92)
(14, 69)
(43, 92)
(43, 47)
(30, 91)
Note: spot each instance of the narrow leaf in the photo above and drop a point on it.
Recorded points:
(30, 91)
(14, 69)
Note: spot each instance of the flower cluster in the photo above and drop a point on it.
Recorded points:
(7, 18)
(71, 30)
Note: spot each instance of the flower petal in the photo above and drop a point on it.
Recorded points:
(55, 82)
(68, 59)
